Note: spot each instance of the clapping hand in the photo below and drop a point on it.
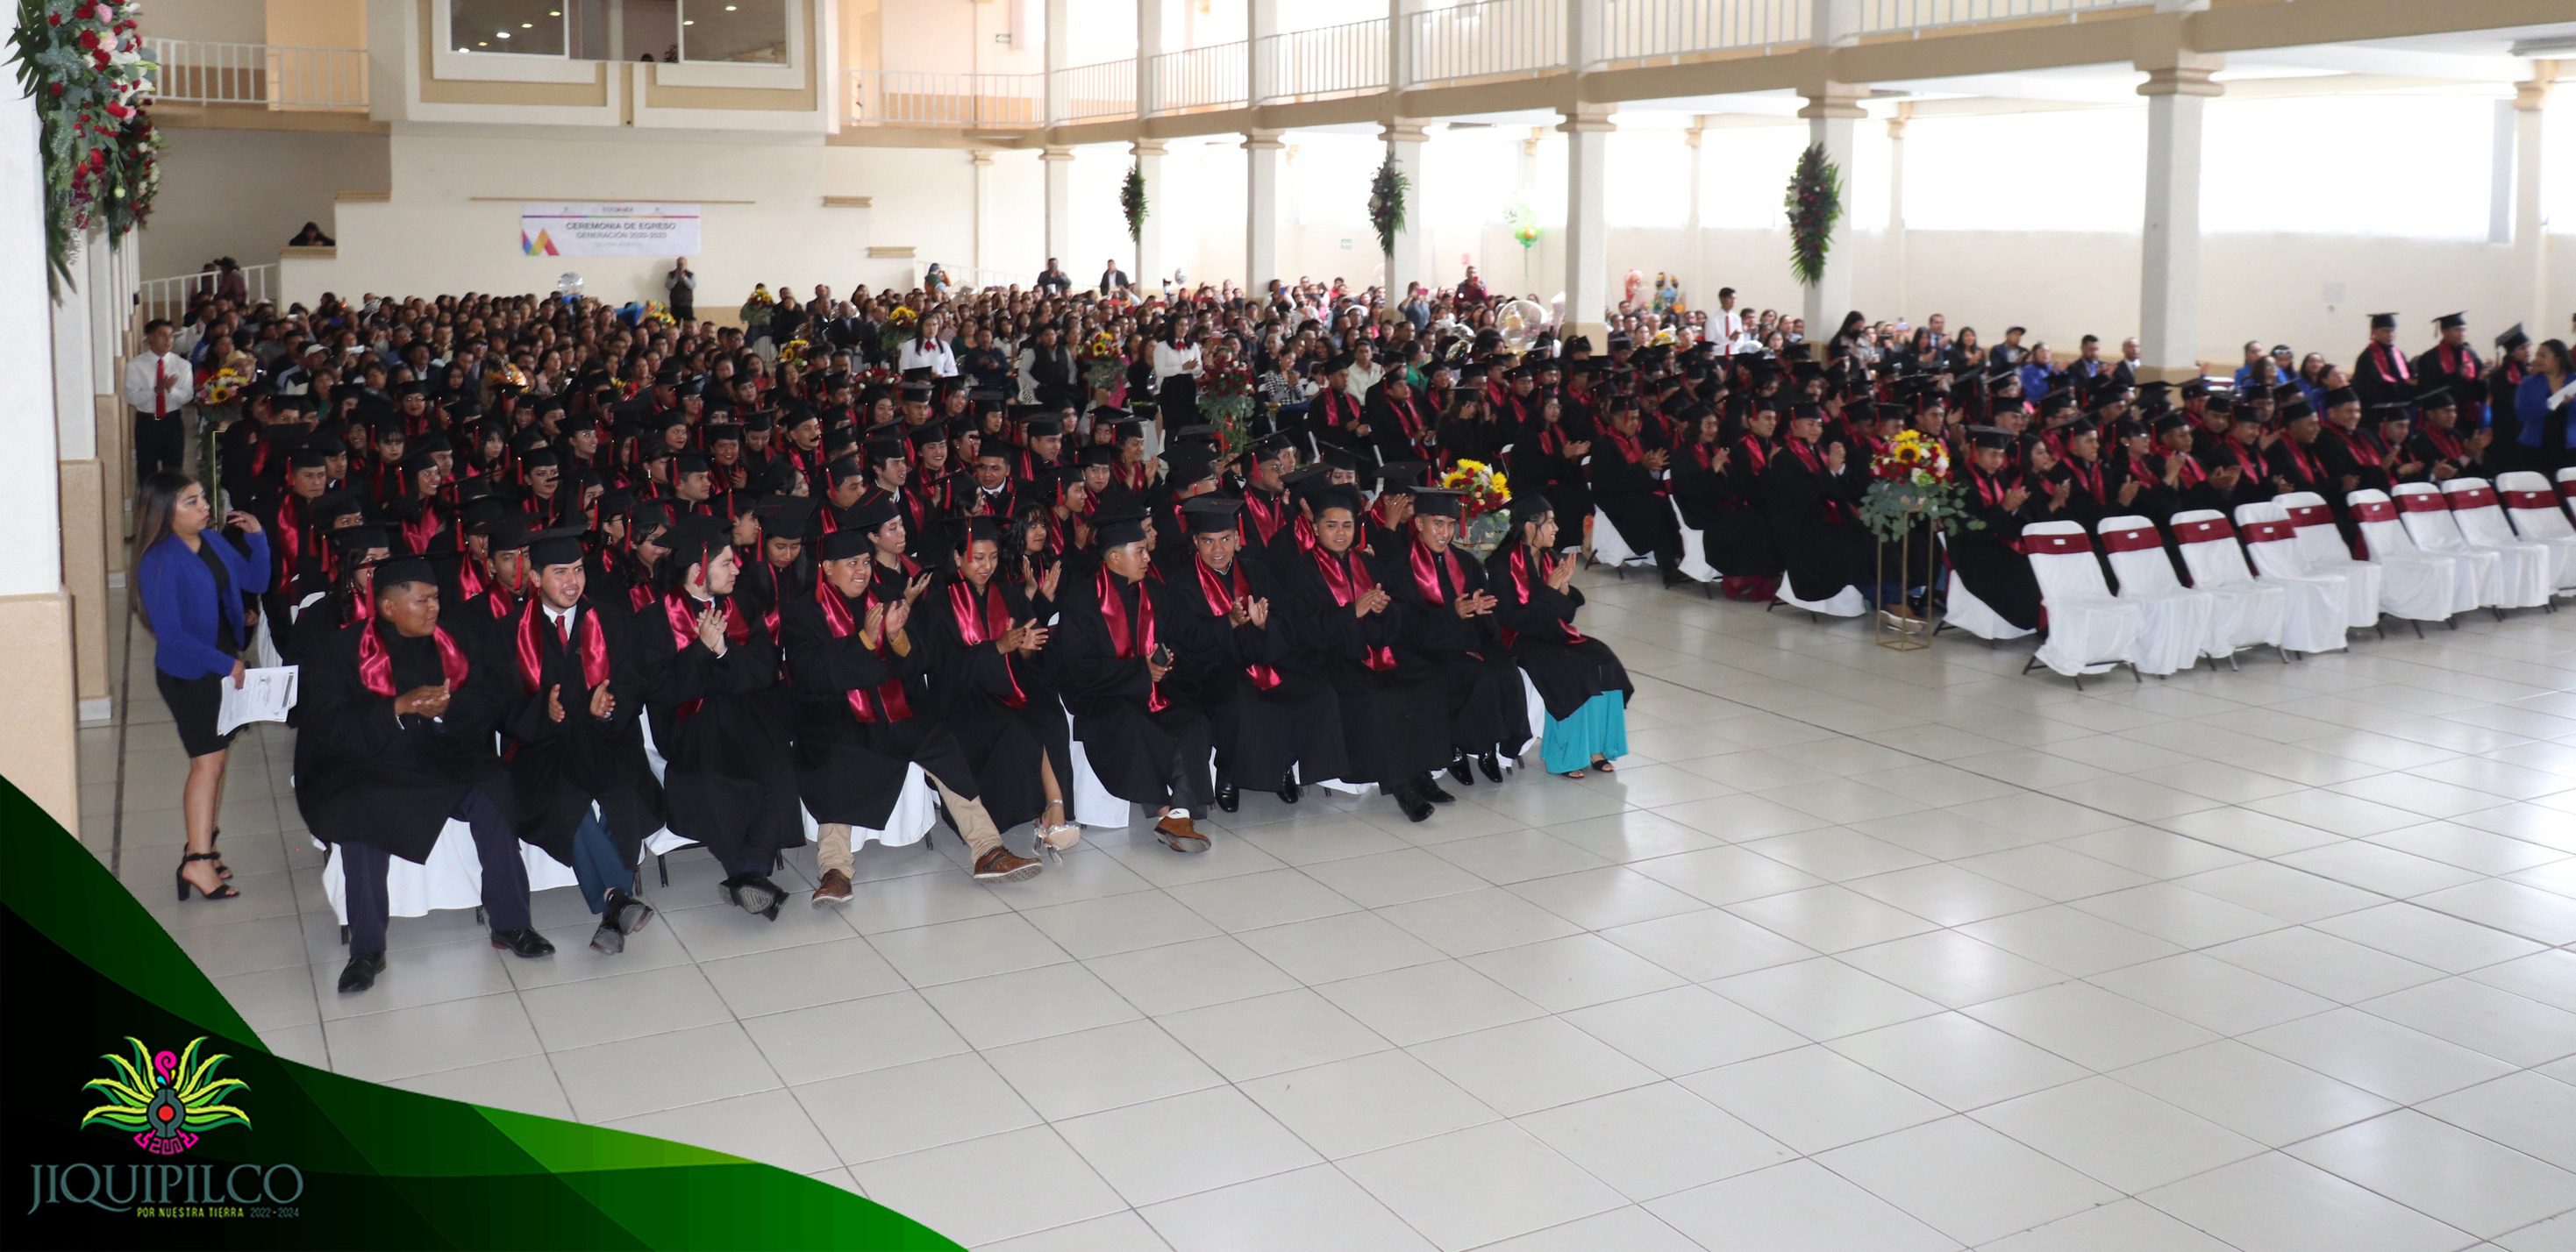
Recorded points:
(2129, 490)
(1047, 581)
(873, 628)
(912, 590)
(2015, 498)
(711, 629)
(1835, 456)
(897, 614)
(554, 703)
(602, 703)
(1373, 600)
(1259, 612)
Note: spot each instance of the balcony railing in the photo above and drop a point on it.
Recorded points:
(930, 98)
(1649, 30)
(1100, 92)
(1889, 17)
(169, 297)
(1327, 60)
(273, 76)
(1200, 78)
(1494, 38)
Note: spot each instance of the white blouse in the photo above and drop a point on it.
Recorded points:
(1169, 361)
(931, 351)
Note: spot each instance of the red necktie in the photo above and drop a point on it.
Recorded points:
(563, 631)
(160, 385)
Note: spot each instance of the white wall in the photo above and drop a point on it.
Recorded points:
(222, 21)
(435, 235)
(244, 193)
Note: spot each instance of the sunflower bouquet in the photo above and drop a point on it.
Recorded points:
(898, 330)
(1100, 363)
(1910, 485)
(1486, 488)
(794, 352)
(1226, 399)
(222, 387)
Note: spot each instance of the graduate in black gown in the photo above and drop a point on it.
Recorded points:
(1271, 716)
(989, 685)
(1579, 679)
(575, 739)
(396, 717)
(859, 676)
(718, 715)
(1987, 559)
(1115, 669)
(1739, 541)
(1811, 498)
(1394, 726)
(1446, 626)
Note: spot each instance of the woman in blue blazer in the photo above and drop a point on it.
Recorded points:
(189, 584)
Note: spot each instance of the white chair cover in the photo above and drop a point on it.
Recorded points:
(2419, 588)
(2533, 509)
(2321, 606)
(452, 877)
(2567, 488)
(2461, 579)
(915, 808)
(1694, 560)
(1611, 548)
(2520, 577)
(1964, 610)
(2273, 542)
(2089, 632)
(2182, 625)
(1090, 798)
(2255, 615)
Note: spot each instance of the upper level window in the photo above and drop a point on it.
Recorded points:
(516, 27)
(753, 31)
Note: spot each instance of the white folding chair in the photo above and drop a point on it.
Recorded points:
(2567, 488)
(2533, 509)
(2464, 577)
(1964, 610)
(1694, 560)
(2182, 625)
(452, 877)
(2323, 606)
(2417, 588)
(2088, 632)
(2518, 580)
(1611, 548)
(916, 808)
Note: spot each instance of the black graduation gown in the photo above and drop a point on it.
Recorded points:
(1820, 556)
(1568, 669)
(558, 769)
(2383, 374)
(1134, 751)
(1394, 728)
(1479, 679)
(1259, 734)
(1538, 461)
(2351, 454)
(851, 772)
(365, 775)
(720, 723)
(1631, 496)
(1988, 564)
(972, 692)
(1738, 537)
(1699, 491)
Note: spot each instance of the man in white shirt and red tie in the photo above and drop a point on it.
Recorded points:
(157, 385)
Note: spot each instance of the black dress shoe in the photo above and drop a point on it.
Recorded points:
(1410, 802)
(1289, 790)
(526, 943)
(1492, 765)
(1461, 770)
(1229, 797)
(361, 972)
(1432, 791)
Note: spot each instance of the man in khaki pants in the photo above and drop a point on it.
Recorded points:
(857, 671)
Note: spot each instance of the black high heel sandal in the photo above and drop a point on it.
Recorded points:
(221, 891)
(222, 870)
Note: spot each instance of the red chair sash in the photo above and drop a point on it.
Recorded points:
(2307, 515)
(2138, 540)
(2473, 498)
(2054, 545)
(2424, 502)
(2375, 511)
(2270, 532)
(2529, 500)
(2210, 531)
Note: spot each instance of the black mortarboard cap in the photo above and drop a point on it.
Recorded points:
(1207, 515)
(2383, 321)
(2451, 321)
(1438, 501)
(2512, 338)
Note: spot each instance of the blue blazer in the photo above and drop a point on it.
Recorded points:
(179, 594)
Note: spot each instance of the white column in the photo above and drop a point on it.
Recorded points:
(99, 285)
(36, 704)
(981, 163)
(2169, 234)
(1057, 161)
(1261, 22)
(1149, 45)
(1831, 112)
(2530, 287)
(1407, 262)
(1261, 149)
(1149, 243)
(1584, 46)
(1401, 66)
(1896, 251)
(1698, 250)
(75, 391)
(1059, 16)
(1587, 234)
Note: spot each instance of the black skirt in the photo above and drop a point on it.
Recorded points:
(195, 703)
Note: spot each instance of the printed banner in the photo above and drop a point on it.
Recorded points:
(592, 229)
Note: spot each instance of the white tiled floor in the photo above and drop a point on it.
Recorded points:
(1860, 950)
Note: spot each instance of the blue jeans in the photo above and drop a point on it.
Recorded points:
(595, 862)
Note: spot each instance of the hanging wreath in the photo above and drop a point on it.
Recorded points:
(1815, 204)
(1386, 203)
(1131, 200)
(82, 62)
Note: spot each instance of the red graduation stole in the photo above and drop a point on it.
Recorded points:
(589, 640)
(1264, 516)
(984, 624)
(682, 612)
(1222, 590)
(890, 703)
(376, 665)
(1426, 577)
(1520, 564)
(1135, 642)
(1346, 577)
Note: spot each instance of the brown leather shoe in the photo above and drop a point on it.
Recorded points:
(1003, 865)
(835, 888)
(1181, 835)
